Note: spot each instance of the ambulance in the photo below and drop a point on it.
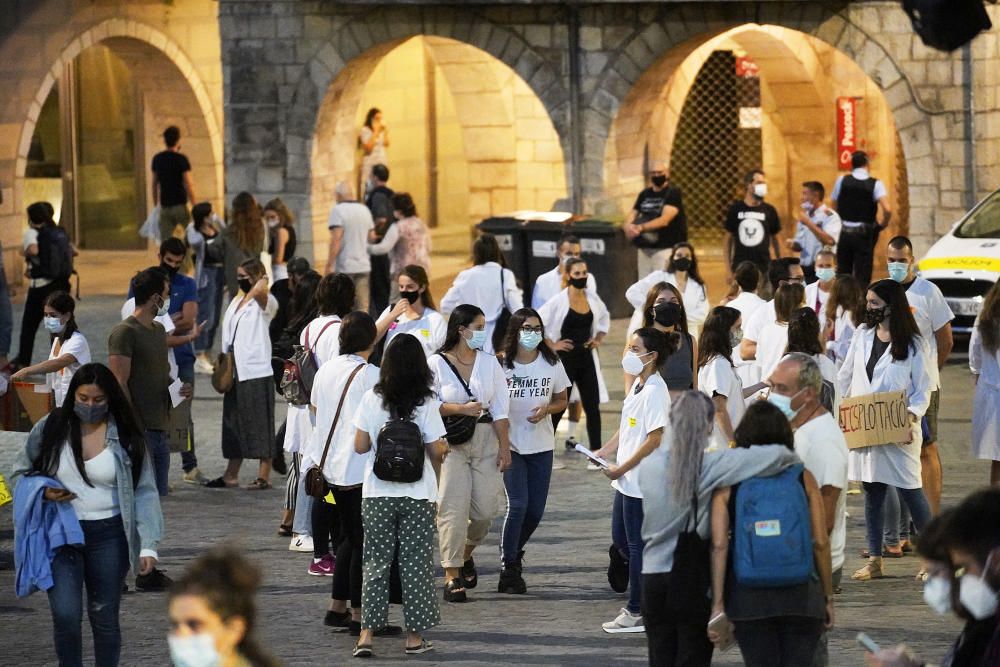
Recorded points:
(965, 262)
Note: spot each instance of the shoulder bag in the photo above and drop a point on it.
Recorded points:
(691, 575)
(315, 482)
(503, 319)
(459, 428)
(224, 372)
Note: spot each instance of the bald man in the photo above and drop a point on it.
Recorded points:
(656, 221)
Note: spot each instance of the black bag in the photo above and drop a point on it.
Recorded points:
(459, 428)
(300, 370)
(55, 254)
(947, 24)
(691, 576)
(503, 319)
(399, 451)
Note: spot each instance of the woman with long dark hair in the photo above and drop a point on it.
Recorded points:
(398, 518)
(773, 337)
(93, 454)
(243, 238)
(887, 353)
(984, 361)
(537, 386)
(804, 337)
(69, 346)
(717, 377)
(664, 311)
(420, 318)
(471, 384)
(280, 237)
(373, 140)
(680, 270)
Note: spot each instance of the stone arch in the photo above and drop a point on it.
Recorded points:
(334, 74)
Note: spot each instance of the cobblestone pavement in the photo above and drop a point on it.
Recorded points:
(557, 622)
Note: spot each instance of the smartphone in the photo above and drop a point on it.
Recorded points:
(724, 628)
(867, 643)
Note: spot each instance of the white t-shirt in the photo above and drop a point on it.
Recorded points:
(771, 346)
(530, 386)
(344, 466)
(246, 331)
(356, 221)
(370, 418)
(325, 344)
(719, 377)
(59, 381)
(753, 324)
(430, 329)
(747, 303)
(823, 449)
(99, 499)
(642, 414)
(931, 312)
(487, 383)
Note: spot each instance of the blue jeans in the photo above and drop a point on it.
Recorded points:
(209, 307)
(527, 484)
(159, 455)
(875, 493)
(897, 519)
(99, 566)
(6, 315)
(626, 534)
(189, 460)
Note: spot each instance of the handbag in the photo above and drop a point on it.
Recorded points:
(691, 576)
(459, 428)
(315, 482)
(224, 371)
(503, 319)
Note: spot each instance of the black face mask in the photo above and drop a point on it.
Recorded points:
(245, 284)
(410, 295)
(874, 316)
(667, 314)
(658, 181)
(579, 283)
(682, 264)
(171, 270)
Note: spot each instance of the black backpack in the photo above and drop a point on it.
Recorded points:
(399, 453)
(55, 255)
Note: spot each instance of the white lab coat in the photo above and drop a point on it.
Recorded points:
(553, 312)
(480, 286)
(695, 299)
(549, 284)
(986, 405)
(896, 465)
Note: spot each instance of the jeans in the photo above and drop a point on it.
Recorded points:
(582, 373)
(781, 641)
(209, 307)
(672, 641)
(897, 519)
(302, 516)
(98, 567)
(189, 460)
(347, 576)
(159, 454)
(875, 493)
(6, 315)
(527, 485)
(626, 534)
(34, 305)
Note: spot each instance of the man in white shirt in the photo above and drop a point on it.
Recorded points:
(861, 201)
(780, 272)
(550, 283)
(349, 224)
(818, 291)
(818, 227)
(933, 317)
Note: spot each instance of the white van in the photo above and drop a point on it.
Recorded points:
(965, 262)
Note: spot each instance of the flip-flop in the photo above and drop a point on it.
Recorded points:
(259, 484)
(362, 650)
(423, 647)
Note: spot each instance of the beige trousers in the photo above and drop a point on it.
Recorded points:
(651, 259)
(468, 494)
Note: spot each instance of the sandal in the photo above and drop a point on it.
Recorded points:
(454, 591)
(259, 484)
(284, 530)
(220, 483)
(362, 650)
(422, 647)
(469, 574)
(872, 570)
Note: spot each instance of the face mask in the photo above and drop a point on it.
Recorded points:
(632, 363)
(53, 324)
(807, 207)
(164, 309)
(783, 403)
(477, 340)
(937, 594)
(245, 285)
(735, 337)
(977, 596)
(874, 316)
(272, 223)
(193, 651)
(410, 295)
(898, 271)
(658, 181)
(171, 270)
(666, 313)
(826, 274)
(579, 283)
(90, 414)
(760, 190)
(529, 339)
(682, 264)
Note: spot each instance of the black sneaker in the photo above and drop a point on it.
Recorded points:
(339, 621)
(511, 581)
(387, 631)
(470, 578)
(617, 570)
(154, 582)
(570, 443)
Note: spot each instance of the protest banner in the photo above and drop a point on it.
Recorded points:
(875, 419)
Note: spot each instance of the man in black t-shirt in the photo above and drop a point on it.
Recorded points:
(753, 227)
(379, 202)
(657, 221)
(172, 186)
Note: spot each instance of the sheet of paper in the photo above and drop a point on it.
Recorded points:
(590, 455)
(175, 392)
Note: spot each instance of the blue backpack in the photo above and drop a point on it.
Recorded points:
(772, 535)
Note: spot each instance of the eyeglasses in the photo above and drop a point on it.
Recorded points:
(531, 330)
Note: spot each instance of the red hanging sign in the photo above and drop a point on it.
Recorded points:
(847, 130)
(746, 68)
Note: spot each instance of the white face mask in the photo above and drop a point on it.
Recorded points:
(760, 190)
(937, 594)
(977, 596)
(164, 309)
(632, 363)
(193, 651)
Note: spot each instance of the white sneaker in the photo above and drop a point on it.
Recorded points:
(301, 543)
(558, 466)
(194, 476)
(203, 366)
(626, 622)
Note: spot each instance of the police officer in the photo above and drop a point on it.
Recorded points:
(860, 200)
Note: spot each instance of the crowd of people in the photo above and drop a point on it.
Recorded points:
(407, 423)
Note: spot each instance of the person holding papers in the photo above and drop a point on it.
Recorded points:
(887, 353)
(644, 418)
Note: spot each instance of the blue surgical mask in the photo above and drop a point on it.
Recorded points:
(477, 340)
(53, 324)
(898, 271)
(529, 339)
(194, 651)
(783, 403)
(826, 274)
